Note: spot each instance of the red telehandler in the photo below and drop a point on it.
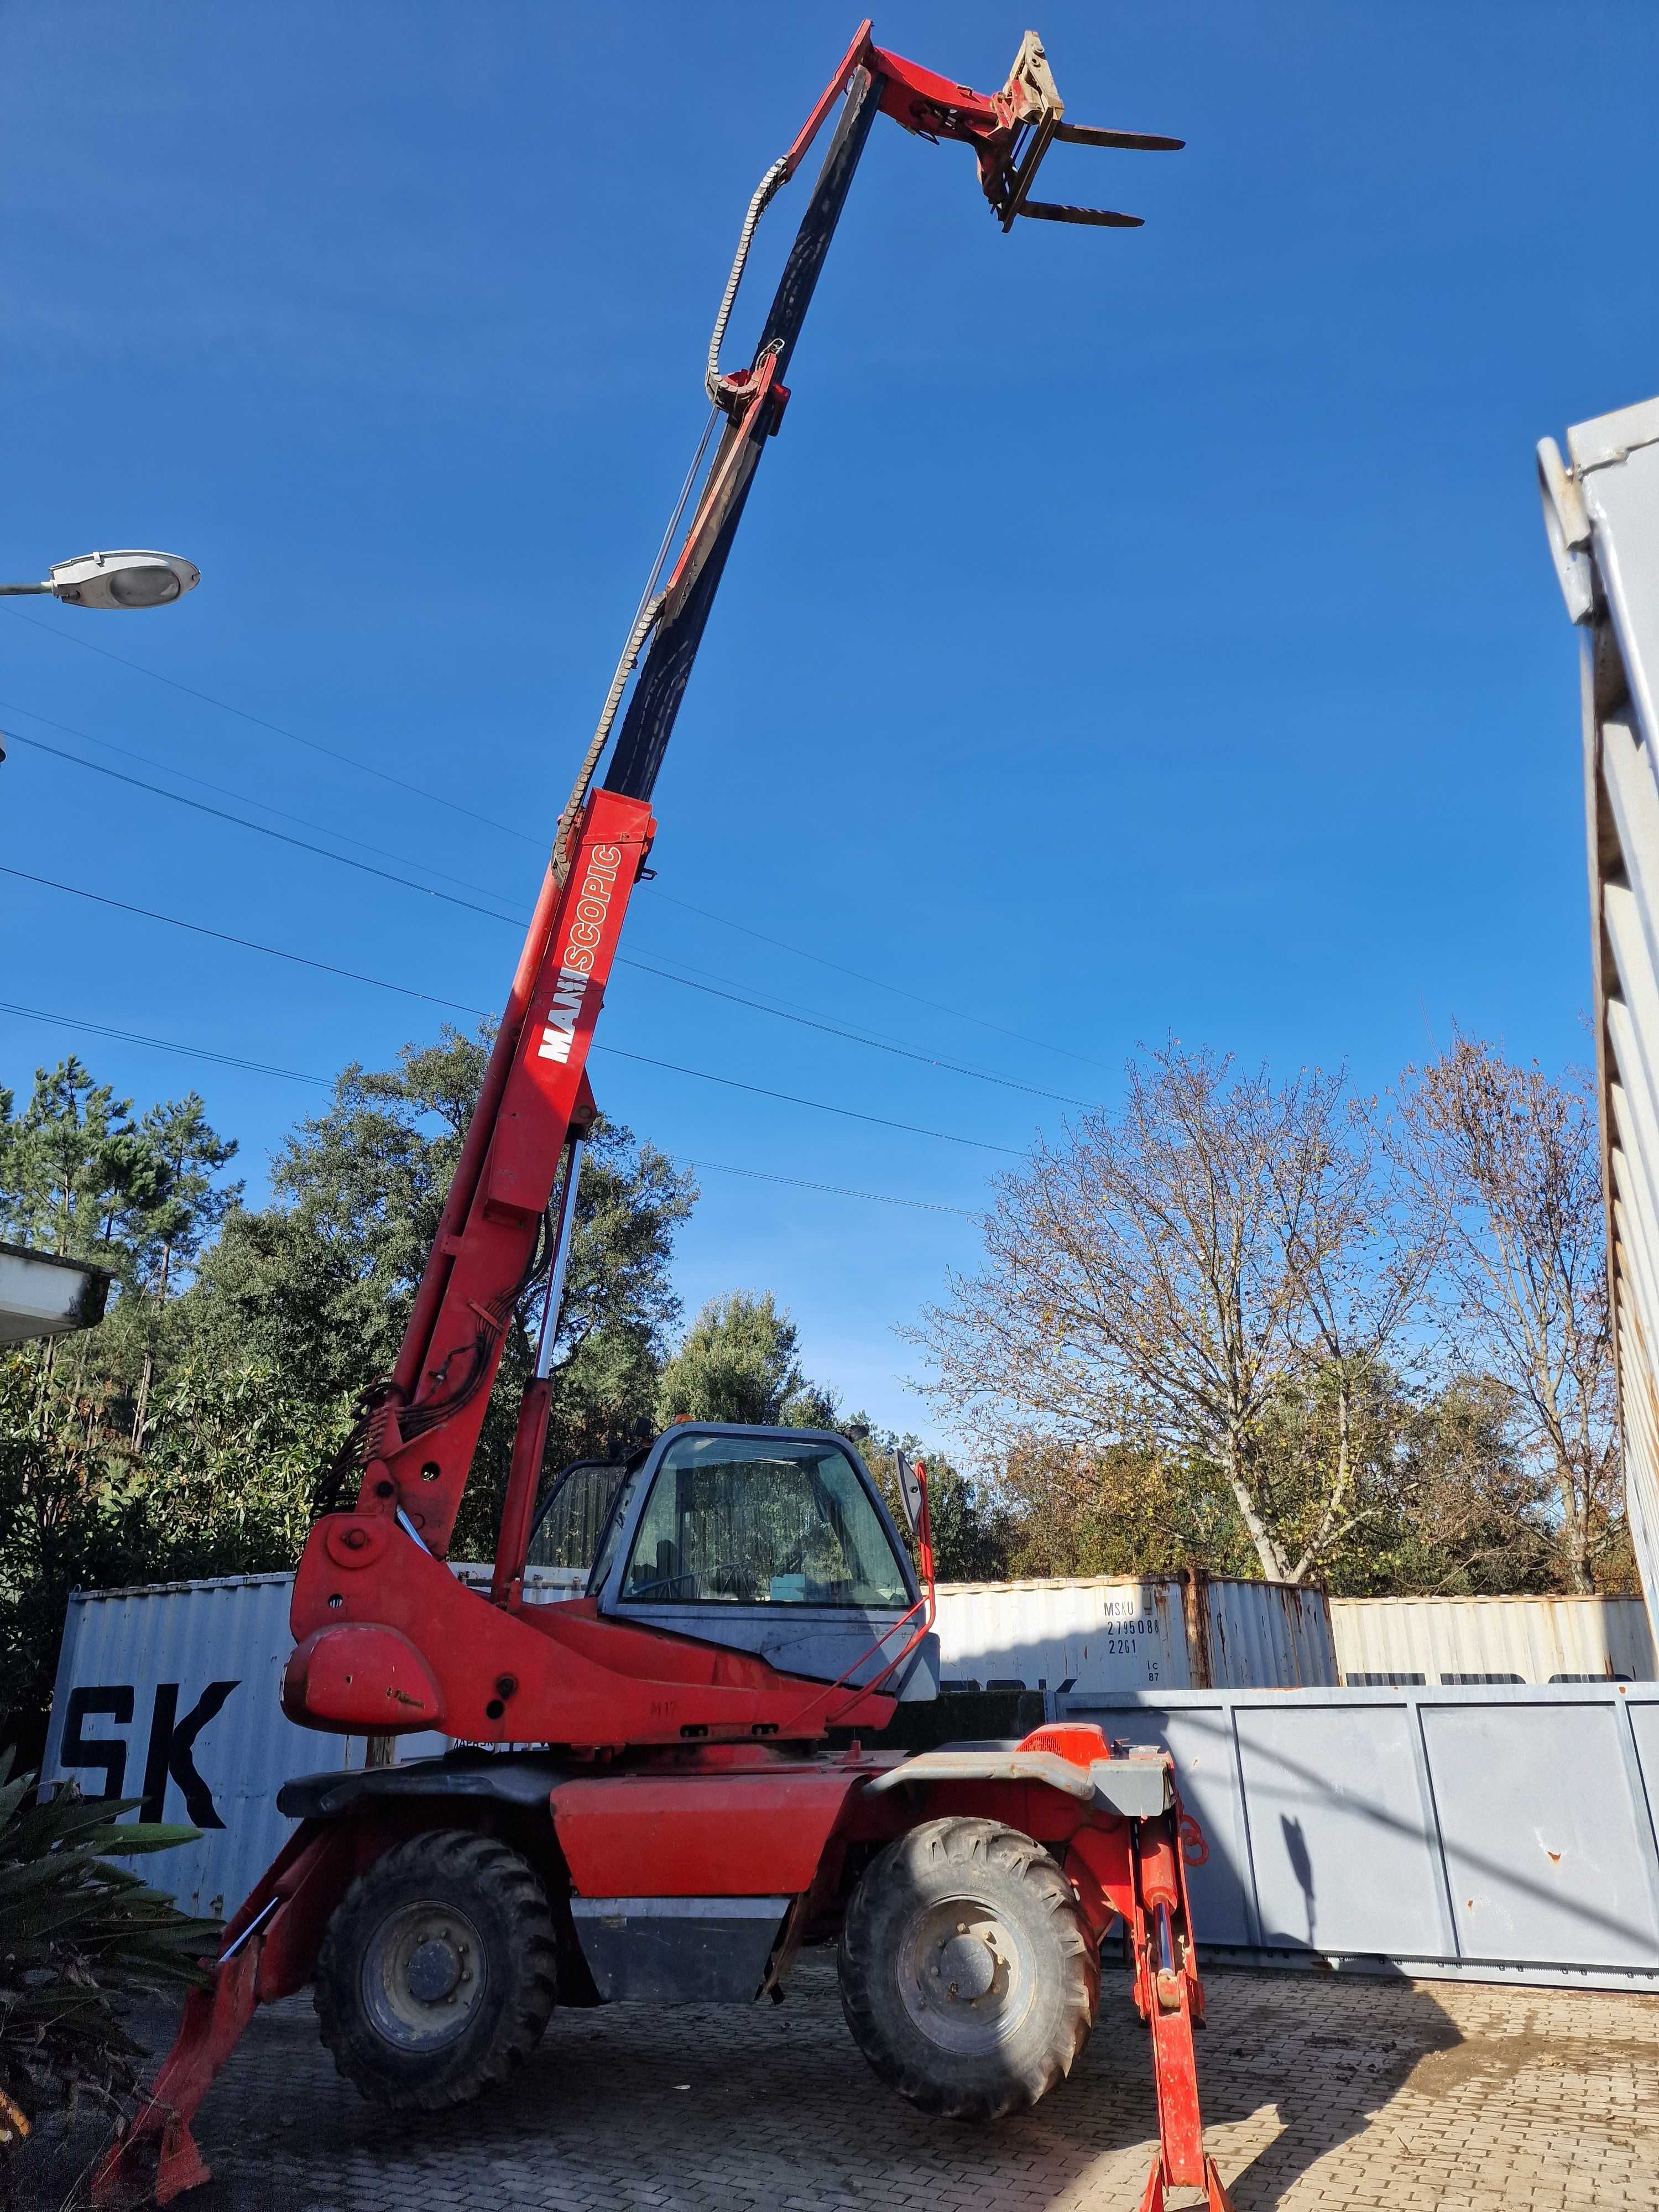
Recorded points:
(643, 1803)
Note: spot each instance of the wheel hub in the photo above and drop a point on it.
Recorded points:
(966, 1977)
(424, 1972)
(968, 1965)
(434, 1970)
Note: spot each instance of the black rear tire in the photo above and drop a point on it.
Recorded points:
(967, 1974)
(436, 1975)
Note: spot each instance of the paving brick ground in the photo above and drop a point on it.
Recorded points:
(1318, 2092)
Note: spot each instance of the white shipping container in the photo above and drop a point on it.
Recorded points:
(170, 1692)
(1134, 1632)
(1096, 1632)
(1601, 515)
(1491, 1639)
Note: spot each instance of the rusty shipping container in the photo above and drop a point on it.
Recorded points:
(1187, 1631)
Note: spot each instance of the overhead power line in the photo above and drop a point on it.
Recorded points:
(506, 829)
(344, 859)
(838, 1190)
(850, 1112)
(350, 760)
(834, 1029)
(161, 1044)
(614, 1052)
(879, 983)
(221, 790)
(248, 944)
(625, 960)
(293, 1075)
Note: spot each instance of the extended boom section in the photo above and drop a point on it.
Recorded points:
(423, 1432)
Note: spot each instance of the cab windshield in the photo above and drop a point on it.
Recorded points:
(761, 1521)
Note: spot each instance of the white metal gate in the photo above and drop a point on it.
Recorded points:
(1472, 1834)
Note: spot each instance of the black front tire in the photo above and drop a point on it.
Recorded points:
(436, 1976)
(967, 1974)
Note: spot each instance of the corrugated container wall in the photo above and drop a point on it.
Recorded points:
(1265, 1635)
(169, 1692)
(1440, 1640)
(1601, 514)
(1128, 1632)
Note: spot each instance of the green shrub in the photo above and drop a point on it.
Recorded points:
(78, 1936)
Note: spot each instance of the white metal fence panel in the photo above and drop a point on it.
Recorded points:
(1548, 1854)
(1502, 1834)
(1446, 1640)
(1601, 514)
(1303, 1774)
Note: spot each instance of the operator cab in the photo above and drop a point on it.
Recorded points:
(770, 1540)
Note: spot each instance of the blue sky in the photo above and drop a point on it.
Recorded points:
(1130, 633)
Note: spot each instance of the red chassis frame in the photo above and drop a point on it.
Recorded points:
(718, 1820)
(695, 1770)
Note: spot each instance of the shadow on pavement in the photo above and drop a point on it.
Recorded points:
(1326, 2056)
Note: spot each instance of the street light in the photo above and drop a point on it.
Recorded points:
(129, 579)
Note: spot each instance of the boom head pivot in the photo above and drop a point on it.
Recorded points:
(1009, 130)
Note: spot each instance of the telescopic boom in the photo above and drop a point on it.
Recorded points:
(497, 1238)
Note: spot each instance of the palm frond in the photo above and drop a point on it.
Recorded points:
(78, 1934)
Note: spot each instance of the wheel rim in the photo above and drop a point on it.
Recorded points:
(966, 1977)
(424, 1976)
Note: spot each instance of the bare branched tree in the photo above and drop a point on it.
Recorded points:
(1167, 1272)
(1505, 1175)
(1361, 1259)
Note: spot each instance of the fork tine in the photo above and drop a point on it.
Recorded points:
(1051, 211)
(1131, 142)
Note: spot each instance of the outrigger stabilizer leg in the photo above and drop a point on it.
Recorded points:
(1170, 2000)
